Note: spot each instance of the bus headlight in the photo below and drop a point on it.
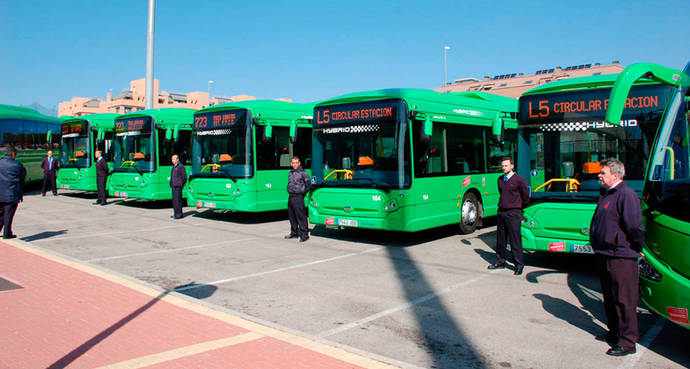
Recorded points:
(648, 271)
(391, 206)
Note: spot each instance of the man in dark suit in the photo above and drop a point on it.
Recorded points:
(12, 174)
(616, 235)
(102, 172)
(514, 196)
(50, 167)
(178, 178)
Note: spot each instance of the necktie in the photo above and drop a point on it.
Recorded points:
(50, 163)
(505, 178)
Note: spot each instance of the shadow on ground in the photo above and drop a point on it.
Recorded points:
(198, 291)
(242, 217)
(42, 235)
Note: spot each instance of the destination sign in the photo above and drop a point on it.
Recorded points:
(220, 119)
(141, 124)
(574, 105)
(369, 111)
(81, 127)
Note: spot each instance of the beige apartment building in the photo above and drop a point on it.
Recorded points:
(134, 100)
(515, 84)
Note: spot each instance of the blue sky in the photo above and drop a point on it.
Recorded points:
(313, 50)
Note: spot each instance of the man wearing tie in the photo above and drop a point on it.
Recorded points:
(50, 167)
(178, 178)
(101, 178)
(514, 196)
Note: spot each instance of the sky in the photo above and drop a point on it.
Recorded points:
(313, 50)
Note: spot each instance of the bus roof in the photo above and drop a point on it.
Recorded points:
(267, 109)
(450, 104)
(581, 83)
(105, 120)
(164, 116)
(19, 112)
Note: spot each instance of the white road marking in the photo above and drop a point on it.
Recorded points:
(400, 307)
(171, 250)
(279, 269)
(643, 344)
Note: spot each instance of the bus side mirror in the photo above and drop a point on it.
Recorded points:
(176, 134)
(168, 134)
(497, 128)
(293, 132)
(268, 132)
(427, 130)
(49, 135)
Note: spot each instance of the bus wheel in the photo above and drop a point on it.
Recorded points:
(471, 213)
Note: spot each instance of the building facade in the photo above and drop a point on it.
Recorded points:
(515, 84)
(134, 100)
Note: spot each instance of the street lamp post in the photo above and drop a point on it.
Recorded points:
(208, 91)
(445, 67)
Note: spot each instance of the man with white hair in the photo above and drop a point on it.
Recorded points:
(616, 235)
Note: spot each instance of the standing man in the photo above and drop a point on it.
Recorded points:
(616, 235)
(50, 168)
(514, 196)
(178, 177)
(12, 174)
(298, 185)
(101, 178)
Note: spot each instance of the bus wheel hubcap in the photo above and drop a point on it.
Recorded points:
(469, 212)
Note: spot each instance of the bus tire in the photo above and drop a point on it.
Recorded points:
(470, 213)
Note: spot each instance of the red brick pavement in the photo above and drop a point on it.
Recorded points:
(73, 316)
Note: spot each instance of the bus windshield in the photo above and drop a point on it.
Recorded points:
(75, 145)
(567, 138)
(362, 145)
(221, 146)
(134, 145)
(668, 186)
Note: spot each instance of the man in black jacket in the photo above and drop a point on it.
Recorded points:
(50, 167)
(178, 178)
(616, 235)
(101, 178)
(514, 197)
(298, 185)
(12, 174)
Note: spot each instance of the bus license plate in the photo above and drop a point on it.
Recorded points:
(123, 194)
(66, 187)
(347, 222)
(583, 249)
(209, 204)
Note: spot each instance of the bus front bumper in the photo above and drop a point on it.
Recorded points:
(663, 290)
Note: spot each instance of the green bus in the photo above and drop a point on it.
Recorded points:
(409, 159)
(143, 144)
(562, 137)
(242, 152)
(32, 134)
(81, 138)
(665, 265)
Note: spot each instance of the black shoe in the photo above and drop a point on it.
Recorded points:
(304, 239)
(518, 271)
(496, 266)
(96, 203)
(287, 237)
(104, 203)
(9, 237)
(44, 195)
(619, 351)
(180, 217)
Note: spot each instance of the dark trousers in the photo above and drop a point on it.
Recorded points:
(6, 217)
(49, 183)
(177, 201)
(102, 191)
(508, 228)
(619, 285)
(297, 214)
